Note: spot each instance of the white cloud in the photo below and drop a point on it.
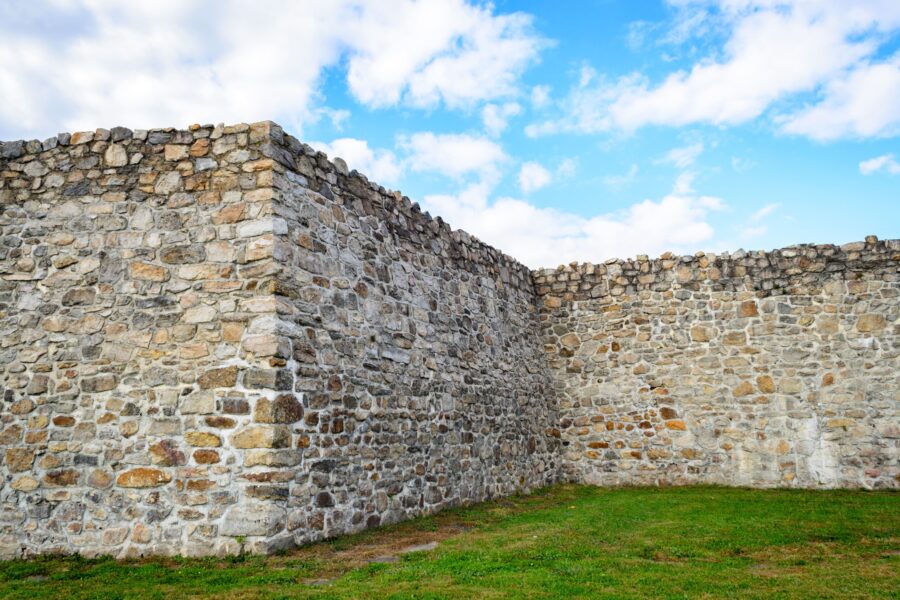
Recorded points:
(533, 176)
(684, 156)
(763, 212)
(863, 103)
(453, 155)
(567, 168)
(544, 237)
(379, 165)
(741, 165)
(754, 231)
(540, 96)
(616, 181)
(776, 50)
(684, 183)
(755, 227)
(885, 162)
(495, 117)
(427, 52)
(81, 64)
(637, 33)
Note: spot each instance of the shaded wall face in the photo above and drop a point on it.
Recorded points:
(779, 369)
(417, 352)
(133, 270)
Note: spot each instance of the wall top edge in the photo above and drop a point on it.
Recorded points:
(871, 247)
(292, 149)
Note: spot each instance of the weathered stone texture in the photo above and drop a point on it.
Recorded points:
(417, 351)
(757, 369)
(217, 335)
(197, 344)
(123, 313)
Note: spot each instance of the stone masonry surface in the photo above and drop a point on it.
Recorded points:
(216, 340)
(755, 369)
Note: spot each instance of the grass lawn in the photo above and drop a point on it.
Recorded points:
(561, 542)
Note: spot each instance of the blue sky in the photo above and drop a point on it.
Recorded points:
(564, 131)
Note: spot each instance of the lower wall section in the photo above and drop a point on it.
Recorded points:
(778, 369)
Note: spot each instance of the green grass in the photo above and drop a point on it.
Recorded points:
(562, 542)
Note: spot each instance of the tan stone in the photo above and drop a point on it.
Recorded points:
(87, 325)
(570, 340)
(735, 338)
(19, 459)
(147, 272)
(262, 436)
(202, 439)
(206, 457)
(748, 309)
(21, 407)
(260, 248)
(199, 148)
(789, 385)
(115, 536)
(838, 422)
(870, 322)
(216, 378)
(100, 479)
(827, 324)
(744, 388)
(765, 384)
(195, 350)
(81, 137)
(143, 477)
(100, 383)
(231, 214)
(783, 447)
(699, 333)
(676, 424)
(25, 483)
(141, 534)
(220, 422)
(129, 428)
(175, 152)
(232, 332)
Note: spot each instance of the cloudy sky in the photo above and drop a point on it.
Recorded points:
(578, 130)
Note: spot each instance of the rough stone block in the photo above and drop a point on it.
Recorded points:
(257, 519)
(262, 436)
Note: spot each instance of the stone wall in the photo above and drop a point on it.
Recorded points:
(199, 354)
(216, 340)
(136, 310)
(756, 369)
(416, 349)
